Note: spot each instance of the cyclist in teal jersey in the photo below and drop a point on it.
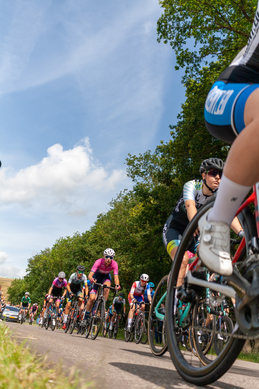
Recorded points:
(25, 303)
(232, 115)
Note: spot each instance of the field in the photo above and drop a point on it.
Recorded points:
(5, 282)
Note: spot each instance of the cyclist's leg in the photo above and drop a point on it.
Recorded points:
(241, 116)
(131, 311)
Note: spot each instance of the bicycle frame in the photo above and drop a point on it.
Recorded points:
(239, 286)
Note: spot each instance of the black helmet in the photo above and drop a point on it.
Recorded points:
(212, 163)
(80, 268)
(121, 295)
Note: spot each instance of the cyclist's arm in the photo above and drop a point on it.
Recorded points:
(236, 226)
(86, 290)
(50, 290)
(116, 279)
(65, 292)
(190, 208)
(68, 287)
(90, 276)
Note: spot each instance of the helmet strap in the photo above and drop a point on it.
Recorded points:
(212, 191)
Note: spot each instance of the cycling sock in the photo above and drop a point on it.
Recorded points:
(229, 198)
(129, 322)
(111, 325)
(65, 319)
(86, 315)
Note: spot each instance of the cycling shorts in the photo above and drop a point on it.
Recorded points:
(25, 306)
(101, 278)
(118, 308)
(78, 293)
(224, 109)
(140, 299)
(172, 238)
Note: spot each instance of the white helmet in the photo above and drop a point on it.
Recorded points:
(27, 293)
(109, 252)
(144, 277)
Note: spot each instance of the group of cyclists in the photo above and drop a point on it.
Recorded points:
(85, 289)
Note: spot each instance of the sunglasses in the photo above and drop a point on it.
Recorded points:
(61, 279)
(80, 272)
(108, 256)
(214, 173)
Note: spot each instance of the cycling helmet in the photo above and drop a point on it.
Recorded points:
(110, 252)
(80, 268)
(121, 295)
(61, 274)
(27, 293)
(144, 277)
(212, 163)
(151, 284)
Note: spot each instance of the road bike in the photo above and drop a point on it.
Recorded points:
(50, 315)
(98, 315)
(242, 285)
(22, 316)
(73, 315)
(138, 325)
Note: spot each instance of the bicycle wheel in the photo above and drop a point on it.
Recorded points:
(73, 318)
(98, 318)
(53, 323)
(88, 328)
(156, 334)
(144, 338)
(105, 330)
(68, 322)
(116, 328)
(224, 326)
(186, 363)
(110, 332)
(128, 334)
(139, 327)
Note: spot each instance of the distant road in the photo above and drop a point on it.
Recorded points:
(117, 364)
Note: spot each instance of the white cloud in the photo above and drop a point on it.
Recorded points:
(61, 177)
(10, 271)
(3, 257)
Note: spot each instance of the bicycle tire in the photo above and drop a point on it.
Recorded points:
(139, 327)
(67, 323)
(98, 318)
(127, 334)
(144, 338)
(115, 331)
(88, 328)
(190, 370)
(53, 323)
(219, 343)
(104, 331)
(110, 333)
(154, 325)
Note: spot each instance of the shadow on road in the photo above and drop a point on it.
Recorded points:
(166, 378)
(146, 353)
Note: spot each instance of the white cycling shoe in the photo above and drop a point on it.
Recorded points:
(214, 250)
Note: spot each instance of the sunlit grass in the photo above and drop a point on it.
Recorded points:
(20, 369)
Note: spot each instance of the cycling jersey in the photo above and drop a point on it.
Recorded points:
(77, 283)
(34, 308)
(192, 190)
(138, 290)
(100, 266)
(145, 296)
(57, 286)
(25, 301)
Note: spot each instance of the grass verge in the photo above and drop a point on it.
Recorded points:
(20, 369)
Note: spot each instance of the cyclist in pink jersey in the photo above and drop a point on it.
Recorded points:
(100, 273)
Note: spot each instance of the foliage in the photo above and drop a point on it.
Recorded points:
(201, 31)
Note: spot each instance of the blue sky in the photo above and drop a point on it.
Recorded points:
(82, 84)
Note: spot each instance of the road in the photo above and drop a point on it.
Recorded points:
(112, 363)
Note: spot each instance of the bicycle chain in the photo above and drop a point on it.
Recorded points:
(238, 336)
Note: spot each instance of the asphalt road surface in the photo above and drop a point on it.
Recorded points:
(115, 363)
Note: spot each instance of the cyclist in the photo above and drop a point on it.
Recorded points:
(152, 292)
(25, 304)
(75, 286)
(33, 311)
(136, 294)
(118, 305)
(195, 194)
(1, 298)
(100, 273)
(232, 114)
(56, 290)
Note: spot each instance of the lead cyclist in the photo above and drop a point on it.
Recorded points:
(232, 115)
